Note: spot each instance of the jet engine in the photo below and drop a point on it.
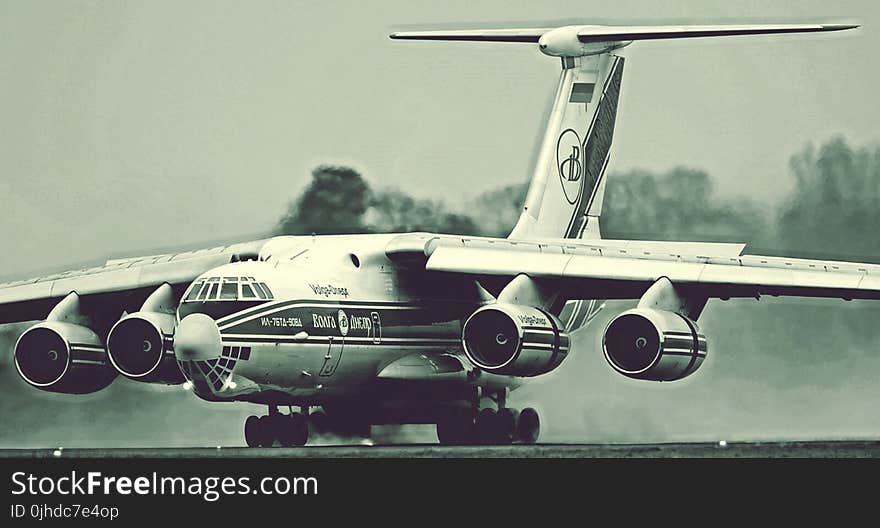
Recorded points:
(654, 345)
(63, 357)
(140, 347)
(514, 340)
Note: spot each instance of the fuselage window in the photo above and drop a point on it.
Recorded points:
(229, 291)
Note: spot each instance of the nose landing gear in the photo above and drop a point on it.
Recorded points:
(289, 430)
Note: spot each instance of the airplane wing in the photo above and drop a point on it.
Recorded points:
(129, 278)
(624, 270)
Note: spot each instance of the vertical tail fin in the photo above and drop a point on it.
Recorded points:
(565, 195)
(566, 190)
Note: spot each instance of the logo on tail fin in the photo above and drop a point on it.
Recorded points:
(568, 161)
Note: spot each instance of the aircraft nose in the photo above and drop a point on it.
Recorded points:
(197, 338)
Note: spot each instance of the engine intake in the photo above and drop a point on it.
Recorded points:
(63, 357)
(654, 345)
(514, 340)
(140, 348)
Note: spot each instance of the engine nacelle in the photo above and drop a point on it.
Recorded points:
(63, 357)
(140, 347)
(514, 340)
(654, 345)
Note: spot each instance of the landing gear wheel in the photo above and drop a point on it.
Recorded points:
(528, 426)
(505, 426)
(252, 431)
(268, 427)
(292, 430)
(457, 428)
(487, 431)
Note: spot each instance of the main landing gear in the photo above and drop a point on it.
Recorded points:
(490, 427)
(495, 425)
(289, 430)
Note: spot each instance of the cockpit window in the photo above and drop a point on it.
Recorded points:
(203, 291)
(267, 290)
(194, 291)
(247, 291)
(229, 291)
(259, 287)
(212, 292)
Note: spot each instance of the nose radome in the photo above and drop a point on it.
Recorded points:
(197, 338)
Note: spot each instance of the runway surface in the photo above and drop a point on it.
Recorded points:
(813, 449)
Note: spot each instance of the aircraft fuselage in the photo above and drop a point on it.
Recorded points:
(317, 319)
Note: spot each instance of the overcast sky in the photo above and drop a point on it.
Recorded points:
(136, 125)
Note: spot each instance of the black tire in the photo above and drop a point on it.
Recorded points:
(528, 426)
(253, 431)
(505, 426)
(267, 427)
(486, 429)
(457, 428)
(293, 430)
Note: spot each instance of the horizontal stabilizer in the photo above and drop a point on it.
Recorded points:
(581, 41)
(618, 33)
(476, 35)
(622, 33)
